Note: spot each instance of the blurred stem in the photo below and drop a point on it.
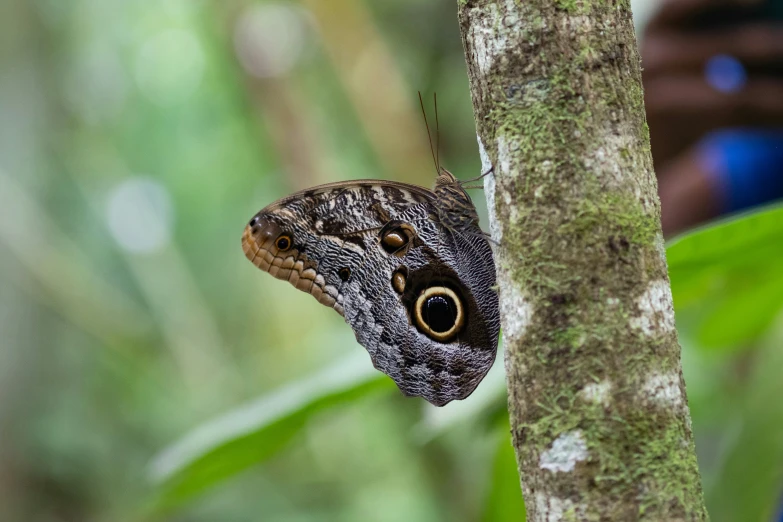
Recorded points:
(66, 279)
(373, 82)
(755, 452)
(283, 112)
(599, 416)
(293, 133)
(375, 85)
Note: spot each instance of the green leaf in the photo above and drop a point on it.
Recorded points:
(747, 484)
(745, 315)
(256, 431)
(728, 241)
(730, 273)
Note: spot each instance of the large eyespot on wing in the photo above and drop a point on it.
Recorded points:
(439, 313)
(438, 304)
(449, 341)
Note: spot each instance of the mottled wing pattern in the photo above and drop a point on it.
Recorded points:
(422, 366)
(332, 227)
(338, 242)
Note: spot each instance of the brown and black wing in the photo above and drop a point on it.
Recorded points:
(418, 296)
(317, 238)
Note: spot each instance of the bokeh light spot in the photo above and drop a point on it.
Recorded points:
(725, 73)
(270, 39)
(170, 66)
(96, 85)
(140, 216)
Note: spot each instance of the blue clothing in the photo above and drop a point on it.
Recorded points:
(745, 166)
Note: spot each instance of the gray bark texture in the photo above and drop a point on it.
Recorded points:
(599, 415)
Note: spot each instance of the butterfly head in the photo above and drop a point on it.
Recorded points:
(445, 178)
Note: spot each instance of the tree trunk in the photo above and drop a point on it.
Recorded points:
(599, 415)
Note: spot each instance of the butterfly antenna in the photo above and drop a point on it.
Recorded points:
(437, 133)
(429, 136)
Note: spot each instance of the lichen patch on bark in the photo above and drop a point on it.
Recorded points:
(602, 160)
(490, 43)
(486, 164)
(516, 312)
(555, 509)
(663, 389)
(660, 245)
(656, 311)
(495, 226)
(568, 449)
(597, 392)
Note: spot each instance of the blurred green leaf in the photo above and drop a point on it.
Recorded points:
(66, 277)
(254, 432)
(745, 315)
(747, 487)
(504, 499)
(732, 271)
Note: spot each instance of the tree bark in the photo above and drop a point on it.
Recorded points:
(599, 415)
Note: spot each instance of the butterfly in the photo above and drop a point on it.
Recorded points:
(408, 268)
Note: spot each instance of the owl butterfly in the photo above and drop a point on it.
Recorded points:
(408, 268)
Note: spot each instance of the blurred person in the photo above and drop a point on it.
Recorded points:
(713, 79)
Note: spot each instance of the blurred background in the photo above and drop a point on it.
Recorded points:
(149, 372)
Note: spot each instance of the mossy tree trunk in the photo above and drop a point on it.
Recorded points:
(599, 415)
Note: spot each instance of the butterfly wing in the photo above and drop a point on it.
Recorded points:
(418, 296)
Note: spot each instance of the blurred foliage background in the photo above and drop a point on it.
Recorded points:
(149, 372)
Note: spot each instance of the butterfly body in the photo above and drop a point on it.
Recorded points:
(408, 268)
